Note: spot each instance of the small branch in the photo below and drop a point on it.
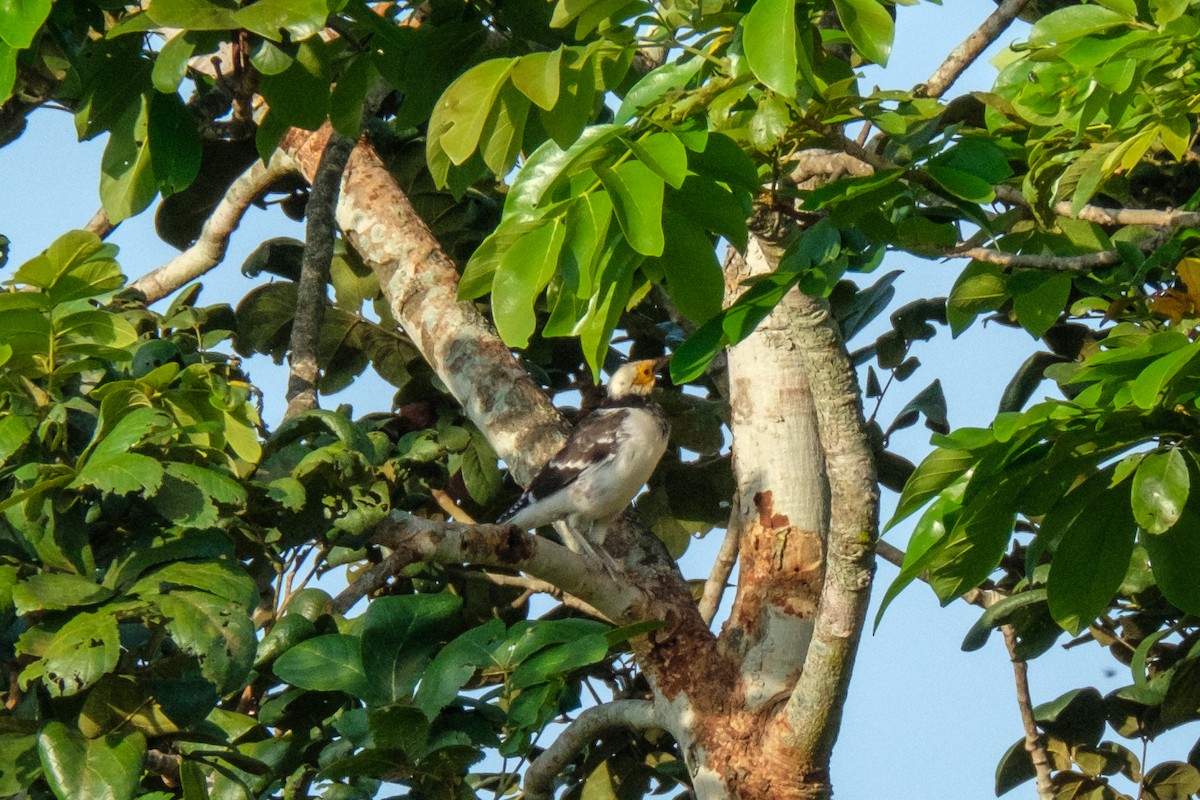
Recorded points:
(304, 369)
(591, 724)
(99, 224)
(415, 539)
(1024, 261)
(1111, 217)
(965, 54)
(164, 764)
(1033, 740)
(718, 577)
(446, 503)
(209, 249)
(546, 588)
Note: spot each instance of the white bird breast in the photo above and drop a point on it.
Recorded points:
(606, 490)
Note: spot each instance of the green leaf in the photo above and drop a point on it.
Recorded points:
(20, 21)
(536, 75)
(769, 38)
(1090, 561)
(189, 494)
(1076, 717)
(1173, 558)
(973, 548)
(654, 85)
(81, 652)
(174, 143)
(869, 26)
(999, 613)
(118, 702)
(1039, 299)
(691, 359)
(926, 543)
(525, 269)
(98, 769)
(127, 181)
(331, 663)
(549, 164)
(480, 469)
(665, 155)
(1156, 377)
(1075, 22)
(8, 71)
(1171, 780)
(196, 15)
(637, 195)
(981, 287)
(504, 130)
(454, 665)
(1160, 490)
(693, 273)
(218, 633)
(224, 579)
(561, 660)
(398, 638)
(1015, 768)
(459, 117)
(49, 591)
(299, 19)
(939, 469)
(170, 65)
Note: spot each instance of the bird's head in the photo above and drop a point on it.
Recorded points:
(633, 379)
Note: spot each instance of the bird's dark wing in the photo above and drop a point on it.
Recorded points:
(593, 442)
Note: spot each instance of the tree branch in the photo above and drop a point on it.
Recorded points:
(1024, 261)
(209, 249)
(718, 577)
(1111, 217)
(99, 224)
(814, 708)
(303, 367)
(1033, 740)
(965, 54)
(591, 724)
(413, 539)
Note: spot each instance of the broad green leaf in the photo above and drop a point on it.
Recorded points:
(96, 769)
(999, 613)
(189, 494)
(331, 663)
(399, 635)
(174, 143)
(1015, 768)
(49, 591)
(769, 39)
(224, 579)
(1173, 558)
(524, 271)
(536, 75)
(712, 206)
(869, 26)
(1172, 780)
(298, 19)
(170, 65)
(561, 660)
(691, 359)
(1160, 490)
(120, 473)
(924, 546)
(550, 164)
(1090, 561)
(454, 665)
(980, 287)
(502, 134)
(300, 94)
(196, 15)
(973, 548)
(576, 98)
(1039, 302)
(654, 85)
(939, 469)
(1076, 717)
(693, 273)
(127, 181)
(637, 195)
(119, 702)
(81, 652)
(219, 633)
(20, 20)
(480, 469)
(1150, 384)
(1075, 22)
(665, 155)
(459, 117)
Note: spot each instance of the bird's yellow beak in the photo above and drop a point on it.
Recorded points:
(644, 375)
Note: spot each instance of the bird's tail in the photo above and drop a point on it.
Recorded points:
(514, 509)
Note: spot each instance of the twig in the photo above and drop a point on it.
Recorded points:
(446, 503)
(163, 764)
(585, 729)
(371, 579)
(718, 577)
(304, 369)
(1033, 741)
(544, 587)
(99, 224)
(1028, 261)
(965, 54)
(1111, 217)
(209, 249)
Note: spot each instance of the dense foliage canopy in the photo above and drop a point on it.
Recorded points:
(585, 163)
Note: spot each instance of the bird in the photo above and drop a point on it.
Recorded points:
(604, 463)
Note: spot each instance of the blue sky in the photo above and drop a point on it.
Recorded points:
(924, 720)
